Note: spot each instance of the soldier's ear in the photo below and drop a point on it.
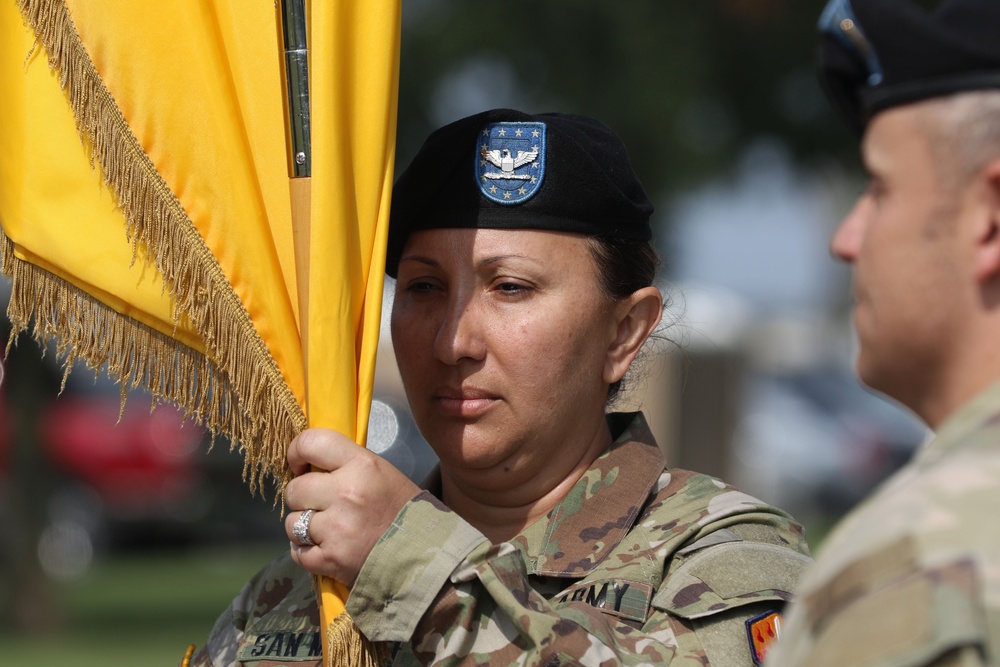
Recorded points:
(635, 318)
(987, 230)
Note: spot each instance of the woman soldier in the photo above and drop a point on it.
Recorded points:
(552, 531)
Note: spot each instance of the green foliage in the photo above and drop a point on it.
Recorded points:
(138, 609)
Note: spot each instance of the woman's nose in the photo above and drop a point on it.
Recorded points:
(460, 335)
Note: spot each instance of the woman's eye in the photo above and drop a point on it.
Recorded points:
(512, 288)
(420, 286)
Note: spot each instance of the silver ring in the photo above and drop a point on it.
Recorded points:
(300, 529)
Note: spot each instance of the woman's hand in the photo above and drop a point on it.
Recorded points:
(353, 503)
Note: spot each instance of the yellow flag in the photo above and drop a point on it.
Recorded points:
(145, 207)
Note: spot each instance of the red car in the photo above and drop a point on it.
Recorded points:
(106, 467)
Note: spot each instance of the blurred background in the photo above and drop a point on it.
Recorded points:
(127, 534)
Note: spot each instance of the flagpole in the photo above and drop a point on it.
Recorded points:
(294, 33)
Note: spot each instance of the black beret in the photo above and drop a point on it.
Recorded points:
(877, 54)
(505, 169)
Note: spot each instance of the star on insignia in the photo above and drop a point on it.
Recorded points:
(517, 132)
(535, 133)
(486, 132)
(502, 132)
(506, 195)
(522, 191)
(493, 188)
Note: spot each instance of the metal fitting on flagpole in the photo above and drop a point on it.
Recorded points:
(294, 31)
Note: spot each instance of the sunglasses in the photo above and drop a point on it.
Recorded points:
(838, 21)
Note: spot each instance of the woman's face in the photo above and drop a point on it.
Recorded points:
(501, 337)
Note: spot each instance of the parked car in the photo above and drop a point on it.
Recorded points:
(102, 475)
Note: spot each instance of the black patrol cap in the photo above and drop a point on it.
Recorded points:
(505, 169)
(877, 54)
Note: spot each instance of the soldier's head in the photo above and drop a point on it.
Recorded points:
(921, 85)
(521, 248)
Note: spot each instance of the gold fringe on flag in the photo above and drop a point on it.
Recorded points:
(349, 647)
(135, 354)
(238, 390)
(188, 654)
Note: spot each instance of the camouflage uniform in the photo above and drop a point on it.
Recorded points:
(912, 577)
(637, 565)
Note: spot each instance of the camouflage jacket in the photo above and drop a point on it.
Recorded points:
(912, 576)
(637, 565)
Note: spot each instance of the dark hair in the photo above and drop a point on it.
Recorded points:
(624, 266)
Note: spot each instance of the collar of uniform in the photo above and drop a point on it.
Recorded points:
(601, 507)
(983, 410)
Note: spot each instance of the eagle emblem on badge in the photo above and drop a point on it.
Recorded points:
(510, 161)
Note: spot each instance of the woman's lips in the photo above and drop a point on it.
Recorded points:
(464, 402)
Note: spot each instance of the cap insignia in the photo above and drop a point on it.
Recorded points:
(510, 161)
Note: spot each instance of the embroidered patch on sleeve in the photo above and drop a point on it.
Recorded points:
(762, 633)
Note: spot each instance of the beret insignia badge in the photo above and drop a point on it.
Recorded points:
(510, 161)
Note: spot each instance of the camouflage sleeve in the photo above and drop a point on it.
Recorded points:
(889, 610)
(476, 605)
(280, 588)
(407, 568)
(725, 599)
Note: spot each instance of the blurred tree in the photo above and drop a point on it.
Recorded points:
(688, 85)
(27, 600)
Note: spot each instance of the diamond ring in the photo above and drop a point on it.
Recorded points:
(300, 529)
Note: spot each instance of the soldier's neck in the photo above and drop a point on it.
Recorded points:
(502, 512)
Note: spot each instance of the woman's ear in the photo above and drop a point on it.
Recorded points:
(987, 231)
(635, 318)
